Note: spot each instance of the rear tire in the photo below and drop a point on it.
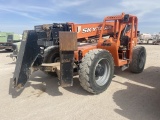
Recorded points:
(138, 59)
(96, 71)
(51, 55)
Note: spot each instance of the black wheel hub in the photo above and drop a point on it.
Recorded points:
(99, 70)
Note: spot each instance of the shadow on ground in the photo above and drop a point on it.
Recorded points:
(141, 99)
(47, 84)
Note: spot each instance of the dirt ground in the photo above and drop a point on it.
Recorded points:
(129, 97)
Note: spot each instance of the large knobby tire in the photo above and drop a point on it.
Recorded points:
(96, 71)
(51, 55)
(138, 59)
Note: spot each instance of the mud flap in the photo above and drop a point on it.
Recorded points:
(29, 50)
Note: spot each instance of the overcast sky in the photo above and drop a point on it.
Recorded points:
(19, 15)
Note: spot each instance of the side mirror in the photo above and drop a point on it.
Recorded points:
(126, 18)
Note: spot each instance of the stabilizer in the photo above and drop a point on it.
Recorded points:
(29, 51)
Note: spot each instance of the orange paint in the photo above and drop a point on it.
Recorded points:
(113, 26)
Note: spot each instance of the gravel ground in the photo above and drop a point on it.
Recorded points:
(129, 97)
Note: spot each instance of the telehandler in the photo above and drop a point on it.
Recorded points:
(91, 50)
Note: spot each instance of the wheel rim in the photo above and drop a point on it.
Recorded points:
(102, 72)
(141, 59)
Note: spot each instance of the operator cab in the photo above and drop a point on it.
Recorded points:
(124, 38)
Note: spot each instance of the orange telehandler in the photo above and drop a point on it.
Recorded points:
(91, 50)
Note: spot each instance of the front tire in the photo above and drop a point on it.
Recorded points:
(138, 59)
(96, 71)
